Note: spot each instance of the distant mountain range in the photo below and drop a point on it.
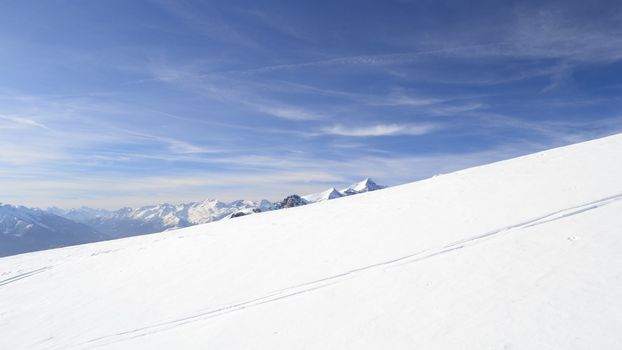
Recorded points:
(156, 218)
(25, 229)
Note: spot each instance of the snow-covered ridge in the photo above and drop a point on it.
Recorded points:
(519, 254)
(162, 217)
(24, 229)
(366, 185)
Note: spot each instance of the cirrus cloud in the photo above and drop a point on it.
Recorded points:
(382, 130)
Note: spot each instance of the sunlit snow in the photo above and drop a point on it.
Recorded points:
(520, 254)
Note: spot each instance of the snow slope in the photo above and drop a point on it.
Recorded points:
(519, 254)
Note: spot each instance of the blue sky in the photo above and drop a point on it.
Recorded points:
(124, 103)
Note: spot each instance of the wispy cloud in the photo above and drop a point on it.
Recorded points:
(251, 94)
(289, 113)
(402, 100)
(12, 121)
(554, 32)
(361, 61)
(207, 20)
(174, 146)
(560, 75)
(273, 97)
(382, 130)
(549, 132)
(456, 109)
(558, 38)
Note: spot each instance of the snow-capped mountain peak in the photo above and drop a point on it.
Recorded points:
(366, 185)
(330, 193)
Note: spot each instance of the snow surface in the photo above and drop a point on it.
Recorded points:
(519, 254)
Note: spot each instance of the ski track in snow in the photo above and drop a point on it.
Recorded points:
(24, 275)
(311, 286)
